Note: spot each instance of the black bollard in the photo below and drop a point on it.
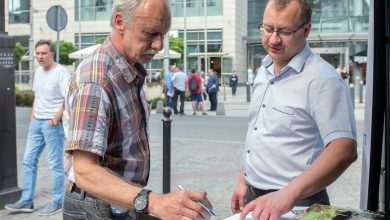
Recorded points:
(167, 112)
(248, 91)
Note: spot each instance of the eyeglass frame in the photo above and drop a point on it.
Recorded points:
(278, 31)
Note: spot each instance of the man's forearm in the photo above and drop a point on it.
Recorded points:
(327, 168)
(100, 182)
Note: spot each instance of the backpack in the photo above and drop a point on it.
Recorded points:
(193, 84)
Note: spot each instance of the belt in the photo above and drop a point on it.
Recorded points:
(72, 187)
(260, 192)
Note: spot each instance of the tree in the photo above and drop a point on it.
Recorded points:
(19, 51)
(177, 44)
(65, 49)
(100, 40)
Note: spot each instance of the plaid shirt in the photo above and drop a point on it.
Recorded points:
(108, 115)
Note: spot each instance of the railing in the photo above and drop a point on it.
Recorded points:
(23, 79)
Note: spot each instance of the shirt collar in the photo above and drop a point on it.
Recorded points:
(297, 62)
(130, 72)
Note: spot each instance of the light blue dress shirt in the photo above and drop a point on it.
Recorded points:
(293, 117)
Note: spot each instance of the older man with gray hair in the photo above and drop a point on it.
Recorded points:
(107, 158)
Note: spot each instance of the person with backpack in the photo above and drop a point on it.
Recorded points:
(194, 84)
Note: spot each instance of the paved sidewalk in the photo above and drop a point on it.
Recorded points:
(206, 164)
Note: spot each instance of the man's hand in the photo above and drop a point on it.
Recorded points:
(238, 197)
(180, 204)
(270, 206)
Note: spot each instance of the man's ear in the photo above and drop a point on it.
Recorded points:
(119, 23)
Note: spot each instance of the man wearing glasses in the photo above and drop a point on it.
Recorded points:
(302, 132)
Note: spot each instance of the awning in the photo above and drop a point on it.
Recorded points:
(81, 54)
(209, 54)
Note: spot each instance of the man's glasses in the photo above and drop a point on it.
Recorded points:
(282, 33)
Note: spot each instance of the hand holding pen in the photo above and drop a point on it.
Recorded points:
(209, 210)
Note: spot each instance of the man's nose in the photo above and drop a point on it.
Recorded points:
(158, 42)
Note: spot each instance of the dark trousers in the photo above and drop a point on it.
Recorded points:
(319, 198)
(213, 101)
(234, 89)
(176, 94)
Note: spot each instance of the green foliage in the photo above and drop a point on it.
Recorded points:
(177, 44)
(154, 101)
(100, 40)
(19, 51)
(65, 49)
(24, 98)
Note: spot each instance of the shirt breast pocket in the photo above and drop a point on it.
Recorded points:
(278, 120)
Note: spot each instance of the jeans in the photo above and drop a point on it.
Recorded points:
(320, 198)
(41, 134)
(81, 206)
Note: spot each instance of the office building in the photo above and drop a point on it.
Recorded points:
(339, 30)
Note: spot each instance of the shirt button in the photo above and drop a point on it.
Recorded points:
(263, 105)
(244, 174)
(255, 128)
(248, 151)
(272, 82)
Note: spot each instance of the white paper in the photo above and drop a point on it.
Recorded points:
(288, 216)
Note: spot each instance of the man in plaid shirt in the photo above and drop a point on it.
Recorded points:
(107, 157)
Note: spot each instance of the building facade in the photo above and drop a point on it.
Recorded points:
(229, 29)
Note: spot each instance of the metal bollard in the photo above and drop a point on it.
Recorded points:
(361, 91)
(248, 91)
(352, 91)
(167, 112)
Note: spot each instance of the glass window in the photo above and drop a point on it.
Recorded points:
(227, 65)
(19, 11)
(196, 8)
(93, 10)
(88, 39)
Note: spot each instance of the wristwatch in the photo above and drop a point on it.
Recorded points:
(141, 201)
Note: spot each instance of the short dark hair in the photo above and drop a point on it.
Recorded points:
(305, 6)
(193, 70)
(48, 43)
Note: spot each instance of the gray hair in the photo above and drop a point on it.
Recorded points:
(127, 8)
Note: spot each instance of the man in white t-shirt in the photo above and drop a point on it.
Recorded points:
(45, 129)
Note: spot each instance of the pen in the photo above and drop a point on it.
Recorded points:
(209, 210)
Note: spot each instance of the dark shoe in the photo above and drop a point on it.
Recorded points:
(20, 207)
(204, 113)
(211, 110)
(194, 113)
(50, 209)
(181, 114)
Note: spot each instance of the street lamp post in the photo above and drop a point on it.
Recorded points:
(31, 45)
(205, 37)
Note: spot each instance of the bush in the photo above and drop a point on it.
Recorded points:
(24, 98)
(154, 101)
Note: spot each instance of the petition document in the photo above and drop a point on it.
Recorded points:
(288, 216)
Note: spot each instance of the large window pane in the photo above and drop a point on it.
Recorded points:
(93, 10)
(196, 8)
(88, 39)
(19, 11)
